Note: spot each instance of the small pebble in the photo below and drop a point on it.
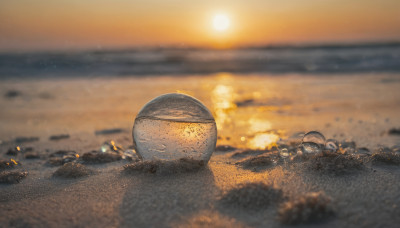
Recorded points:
(31, 155)
(59, 137)
(109, 131)
(394, 131)
(26, 139)
(14, 151)
(12, 94)
(225, 148)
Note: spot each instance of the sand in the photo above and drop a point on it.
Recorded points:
(252, 112)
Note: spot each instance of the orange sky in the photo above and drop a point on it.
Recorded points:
(74, 24)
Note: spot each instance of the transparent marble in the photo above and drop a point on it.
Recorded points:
(313, 142)
(174, 126)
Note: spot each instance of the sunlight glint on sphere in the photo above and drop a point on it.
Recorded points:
(221, 22)
(174, 126)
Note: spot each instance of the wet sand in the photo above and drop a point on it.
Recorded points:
(252, 112)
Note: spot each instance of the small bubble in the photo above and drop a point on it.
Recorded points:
(284, 153)
(314, 137)
(348, 147)
(130, 154)
(110, 147)
(310, 148)
(105, 147)
(331, 145)
(313, 142)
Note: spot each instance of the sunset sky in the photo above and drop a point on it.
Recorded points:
(76, 24)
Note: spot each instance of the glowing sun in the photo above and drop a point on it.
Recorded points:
(221, 22)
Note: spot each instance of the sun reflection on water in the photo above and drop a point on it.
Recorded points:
(262, 136)
(246, 126)
(223, 99)
(263, 141)
(259, 125)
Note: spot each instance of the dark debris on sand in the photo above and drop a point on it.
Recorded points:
(14, 151)
(389, 158)
(335, 163)
(31, 155)
(12, 94)
(61, 157)
(246, 153)
(72, 170)
(252, 196)
(109, 131)
(224, 148)
(12, 177)
(96, 157)
(59, 137)
(259, 163)
(394, 131)
(311, 208)
(165, 167)
(26, 139)
(244, 103)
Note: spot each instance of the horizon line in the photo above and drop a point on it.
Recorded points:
(274, 46)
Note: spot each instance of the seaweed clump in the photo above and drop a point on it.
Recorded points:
(13, 177)
(310, 208)
(72, 170)
(252, 196)
(335, 163)
(165, 167)
(390, 158)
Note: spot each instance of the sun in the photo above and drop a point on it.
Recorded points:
(221, 22)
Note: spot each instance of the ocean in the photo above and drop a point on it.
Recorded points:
(321, 59)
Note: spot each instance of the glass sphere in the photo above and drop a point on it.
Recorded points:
(174, 126)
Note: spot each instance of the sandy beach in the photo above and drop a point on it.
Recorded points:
(254, 114)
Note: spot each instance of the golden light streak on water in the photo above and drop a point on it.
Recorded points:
(223, 100)
(259, 125)
(243, 124)
(263, 141)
